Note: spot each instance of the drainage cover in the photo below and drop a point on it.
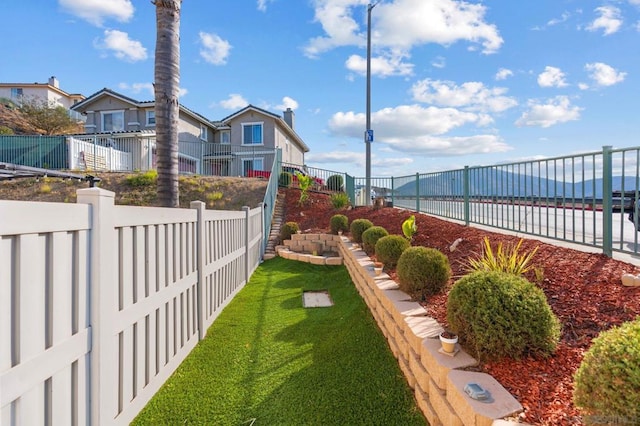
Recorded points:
(316, 299)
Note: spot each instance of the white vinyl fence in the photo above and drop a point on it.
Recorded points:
(100, 303)
(87, 155)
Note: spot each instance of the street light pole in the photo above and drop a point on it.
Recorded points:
(367, 135)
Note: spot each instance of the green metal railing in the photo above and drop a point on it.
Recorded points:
(584, 199)
(48, 152)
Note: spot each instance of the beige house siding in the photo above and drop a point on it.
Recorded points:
(41, 91)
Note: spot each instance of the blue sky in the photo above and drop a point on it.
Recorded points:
(453, 83)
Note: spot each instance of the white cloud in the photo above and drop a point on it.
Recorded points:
(554, 111)
(503, 74)
(214, 49)
(451, 145)
(472, 95)
(137, 88)
(604, 75)
(383, 66)
(556, 21)
(609, 20)
(343, 157)
(439, 62)
(97, 11)
(288, 102)
(552, 77)
(262, 5)
(234, 101)
(122, 47)
(416, 121)
(407, 23)
(401, 25)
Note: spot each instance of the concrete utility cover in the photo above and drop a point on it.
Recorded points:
(316, 299)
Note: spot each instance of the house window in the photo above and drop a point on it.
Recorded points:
(112, 121)
(16, 92)
(225, 137)
(252, 164)
(252, 134)
(203, 132)
(151, 118)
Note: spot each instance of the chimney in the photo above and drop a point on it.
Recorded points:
(289, 117)
(53, 81)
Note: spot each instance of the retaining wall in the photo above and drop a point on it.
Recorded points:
(437, 379)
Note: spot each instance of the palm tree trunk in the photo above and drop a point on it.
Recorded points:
(166, 87)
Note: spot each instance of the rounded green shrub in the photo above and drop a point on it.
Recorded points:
(388, 249)
(339, 222)
(422, 271)
(357, 227)
(287, 230)
(607, 383)
(371, 236)
(335, 182)
(285, 179)
(497, 314)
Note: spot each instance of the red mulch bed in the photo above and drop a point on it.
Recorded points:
(583, 289)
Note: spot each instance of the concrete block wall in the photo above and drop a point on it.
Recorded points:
(310, 248)
(438, 380)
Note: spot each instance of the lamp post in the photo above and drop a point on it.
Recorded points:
(368, 134)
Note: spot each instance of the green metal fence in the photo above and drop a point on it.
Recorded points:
(585, 199)
(34, 151)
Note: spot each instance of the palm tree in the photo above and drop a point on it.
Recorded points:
(166, 87)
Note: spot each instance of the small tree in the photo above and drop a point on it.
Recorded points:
(304, 183)
(47, 116)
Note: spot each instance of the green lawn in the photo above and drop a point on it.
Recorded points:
(268, 361)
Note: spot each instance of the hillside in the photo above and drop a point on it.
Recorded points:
(220, 193)
(11, 118)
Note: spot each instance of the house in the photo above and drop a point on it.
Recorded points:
(48, 92)
(244, 141)
(255, 128)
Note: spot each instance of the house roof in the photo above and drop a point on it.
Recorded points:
(81, 106)
(43, 85)
(283, 124)
(222, 124)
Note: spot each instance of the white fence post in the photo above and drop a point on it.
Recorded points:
(200, 253)
(247, 259)
(263, 230)
(103, 305)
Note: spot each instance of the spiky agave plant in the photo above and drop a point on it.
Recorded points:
(506, 259)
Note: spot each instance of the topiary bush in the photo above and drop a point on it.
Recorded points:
(287, 230)
(339, 200)
(339, 222)
(285, 179)
(371, 236)
(607, 383)
(335, 182)
(422, 271)
(357, 227)
(497, 314)
(388, 249)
